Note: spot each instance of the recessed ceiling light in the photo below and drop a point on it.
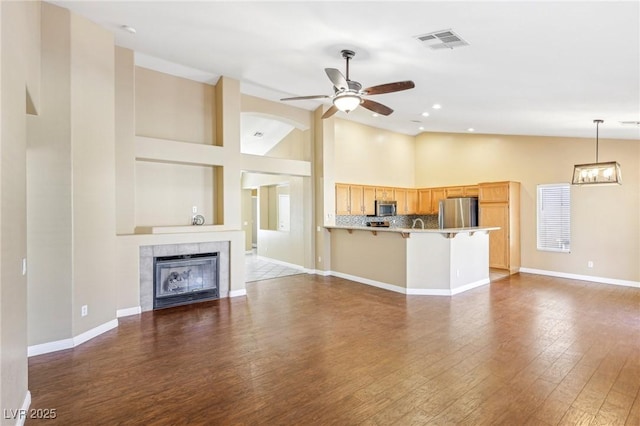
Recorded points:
(471, 129)
(128, 29)
(421, 128)
(436, 106)
(375, 114)
(425, 114)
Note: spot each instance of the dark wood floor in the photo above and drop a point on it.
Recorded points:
(320, 350)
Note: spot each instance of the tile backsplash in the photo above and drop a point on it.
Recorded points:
(400, 221)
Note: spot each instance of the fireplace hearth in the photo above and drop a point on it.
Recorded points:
(184, 279)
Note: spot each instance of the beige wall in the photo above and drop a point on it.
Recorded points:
(169, 107)
(166, 193)
(125, 140)
(49, 189)
(294, 146)
(371, 156)
(383, 259)
(93, 179)
(71, 186)
(19, 73)
(605, 227)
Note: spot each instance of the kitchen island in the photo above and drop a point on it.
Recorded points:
(412, 261)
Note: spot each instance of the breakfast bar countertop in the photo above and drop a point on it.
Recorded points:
(448, 231)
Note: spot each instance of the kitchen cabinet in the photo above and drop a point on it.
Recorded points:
(383, 193)
(368, 200)
(471, 191)
(412, 201)
(437, 194)
(354, 199)
(407, 200)
(342, 199)
(454, 191)
(424, 201)
(500, 206)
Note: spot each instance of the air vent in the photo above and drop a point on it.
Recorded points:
(444, 39)
(630, 123)
(258, 134)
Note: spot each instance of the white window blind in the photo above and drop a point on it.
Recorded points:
(554, 217)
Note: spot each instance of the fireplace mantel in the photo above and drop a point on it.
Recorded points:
(179, 229)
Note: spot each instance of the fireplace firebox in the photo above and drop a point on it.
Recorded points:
(184, 279)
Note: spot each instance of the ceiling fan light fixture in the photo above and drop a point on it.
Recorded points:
(347, 102)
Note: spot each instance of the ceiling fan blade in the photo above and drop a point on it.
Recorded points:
(337, 78)
(330, 112)
(300, 98)
(376, 107)
(390, 87)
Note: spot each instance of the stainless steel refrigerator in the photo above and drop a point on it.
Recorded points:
(458, 212)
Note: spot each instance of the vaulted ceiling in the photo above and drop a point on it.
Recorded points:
(531, 68)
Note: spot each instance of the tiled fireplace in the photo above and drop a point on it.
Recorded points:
(178, 256)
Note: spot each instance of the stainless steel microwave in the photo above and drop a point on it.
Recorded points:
(386, 208)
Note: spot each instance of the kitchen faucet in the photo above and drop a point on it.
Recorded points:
(415, 221)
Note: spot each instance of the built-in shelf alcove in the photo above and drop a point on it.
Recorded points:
(170, 194)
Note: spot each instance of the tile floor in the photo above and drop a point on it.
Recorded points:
(261, 269)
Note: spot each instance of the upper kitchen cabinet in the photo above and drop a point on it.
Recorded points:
(424, 201)
(471, 191)
(454, 191)
(437, 194)
(500, 206)
(407, 200)
(342, 199)
(383, 193)
(355, 199)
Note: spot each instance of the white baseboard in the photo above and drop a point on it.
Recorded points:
(237, 293)
(411, 291)
(59, 345)
(428, 292)
(367, 281)
(601, 280)
(128, 311)
(280, 262)
(19, 415)
(470, 286)
(45, 348)
(319, 272)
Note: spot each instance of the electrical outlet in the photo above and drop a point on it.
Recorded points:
(84, 310)
(590, 264)
(194, 209)
(319, 259)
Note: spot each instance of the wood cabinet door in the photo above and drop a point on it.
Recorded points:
(412, 201)
(369, 200)
(437, 194)
(454, 191)
(342, 199)
(497, 214)
(400, 195)
(494, 192)
(424, 201)
(384, 194)
(471, 191)
(355, 199)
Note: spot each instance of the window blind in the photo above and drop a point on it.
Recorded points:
(554, 218)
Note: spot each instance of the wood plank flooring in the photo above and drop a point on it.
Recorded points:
(525, 350)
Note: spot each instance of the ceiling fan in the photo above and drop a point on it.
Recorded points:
(348, 94)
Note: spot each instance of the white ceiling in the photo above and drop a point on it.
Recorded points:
(532, 68)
